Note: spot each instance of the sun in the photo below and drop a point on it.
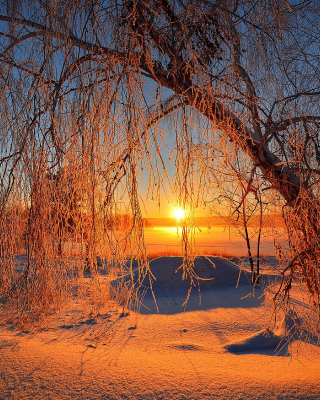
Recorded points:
(179, 213)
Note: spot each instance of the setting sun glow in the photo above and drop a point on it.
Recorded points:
(179, 213)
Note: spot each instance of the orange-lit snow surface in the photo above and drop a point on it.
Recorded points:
(215, 350)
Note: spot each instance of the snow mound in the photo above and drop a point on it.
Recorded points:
(211, 272)
(217, 283)
(262, 342)
(269, 342)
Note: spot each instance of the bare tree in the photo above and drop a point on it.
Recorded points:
(237, 199)
(96, 78)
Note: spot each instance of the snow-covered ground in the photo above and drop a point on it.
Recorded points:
(223, 347)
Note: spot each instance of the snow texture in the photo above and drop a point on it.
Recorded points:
(216, 348)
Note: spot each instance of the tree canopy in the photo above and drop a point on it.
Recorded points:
(88, 84)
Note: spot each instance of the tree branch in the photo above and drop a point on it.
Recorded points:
(284, 124)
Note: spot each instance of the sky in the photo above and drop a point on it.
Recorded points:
(151, 207)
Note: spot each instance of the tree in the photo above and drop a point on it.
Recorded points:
(65, 204)
(97, 78)
(239, 203)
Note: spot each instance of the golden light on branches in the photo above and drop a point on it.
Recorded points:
(93, 94)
